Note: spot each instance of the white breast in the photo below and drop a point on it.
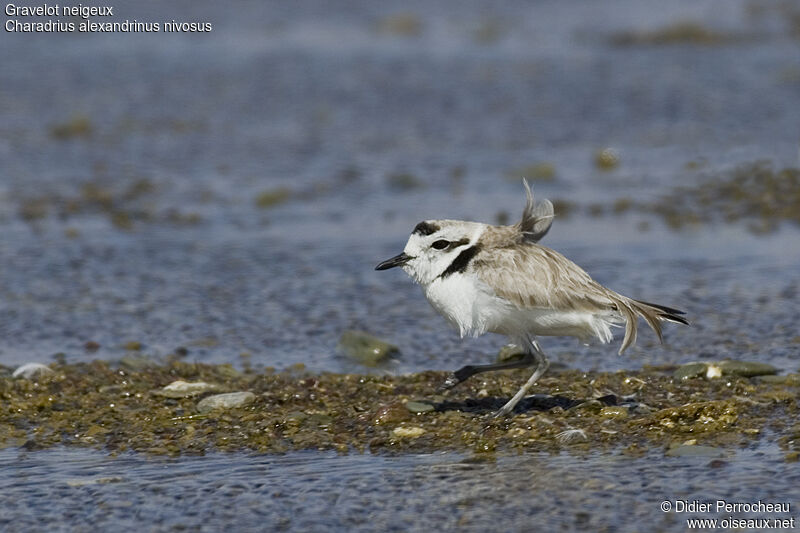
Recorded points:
(468, 304)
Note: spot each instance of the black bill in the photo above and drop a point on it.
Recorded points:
(396, 261)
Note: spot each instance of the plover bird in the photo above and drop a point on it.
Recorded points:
(498, 279)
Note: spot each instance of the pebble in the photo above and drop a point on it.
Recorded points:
(690, 371)
(510, 352)
(419, 407)
(32, 370)
(228, 400)
(411, 432)
(391, 414)
(185, 389)
(365, 348)
(788, 379)
(746, 369)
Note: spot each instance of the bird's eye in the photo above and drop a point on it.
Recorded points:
(441, 244)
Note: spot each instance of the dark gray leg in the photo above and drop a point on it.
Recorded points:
(468, 371)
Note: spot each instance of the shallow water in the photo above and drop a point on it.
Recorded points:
(329, 103)
(66, 489)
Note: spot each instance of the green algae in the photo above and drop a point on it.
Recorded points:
(753, 193)
(125, 203)
(679, 33)
(101, 406)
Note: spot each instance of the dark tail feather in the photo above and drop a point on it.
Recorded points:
(667, 313)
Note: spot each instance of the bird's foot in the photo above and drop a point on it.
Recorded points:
(503, 411)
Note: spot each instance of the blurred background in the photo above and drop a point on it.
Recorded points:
(224, 196)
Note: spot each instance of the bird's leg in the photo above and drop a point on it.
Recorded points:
(541, 367)
(463, 373)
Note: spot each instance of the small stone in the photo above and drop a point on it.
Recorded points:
(747, 369)
(615, 411)
(133, 346)
(690, 371)
(411, 432)
(296, 416)
(229, 400)
(184, 389)
(419, 407)
(788, 379)
(391, 414)
(32, 370)
(365, 348)
(510, 352)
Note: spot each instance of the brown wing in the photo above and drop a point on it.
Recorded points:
(534, 276)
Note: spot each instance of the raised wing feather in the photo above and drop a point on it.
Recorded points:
(536, 218)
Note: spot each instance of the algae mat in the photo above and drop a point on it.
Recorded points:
(181, 409)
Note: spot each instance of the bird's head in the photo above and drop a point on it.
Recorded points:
(437, 248)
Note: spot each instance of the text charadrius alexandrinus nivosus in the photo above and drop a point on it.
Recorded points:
(498, 279)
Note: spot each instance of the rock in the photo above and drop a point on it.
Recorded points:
(411, 432)
(184, 389)
(510, 352)
(365, 348)
(747, 369)
(419, 407)
(32, 370)
(229, 400)
(391, 414)
(788, 379)
(690, 371)
(694, 450)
